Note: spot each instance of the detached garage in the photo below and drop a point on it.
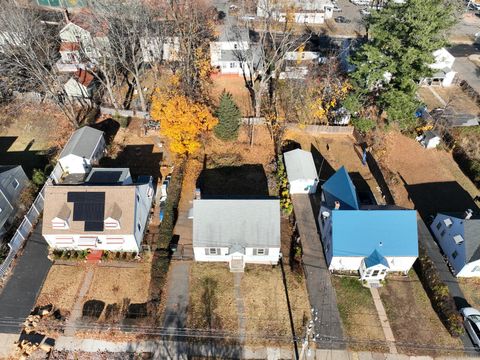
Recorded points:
(301, 171)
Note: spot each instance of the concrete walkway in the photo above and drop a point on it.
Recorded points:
(328, 326)
(237, 279)
(176, 310)
(382, 315)
(20, 293)
(76, 313)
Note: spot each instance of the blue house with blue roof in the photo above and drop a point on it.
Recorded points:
(371, 240)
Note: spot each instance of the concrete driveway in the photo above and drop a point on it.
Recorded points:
(22, 288)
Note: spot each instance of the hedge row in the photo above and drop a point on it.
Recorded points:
(439, 294)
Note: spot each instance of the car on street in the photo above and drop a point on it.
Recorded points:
(471, 321)
(342, 20)
(337, 8)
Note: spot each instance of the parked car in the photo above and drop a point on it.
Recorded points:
(360, 2)
(471, 321)
(337, 8)
(342, 20)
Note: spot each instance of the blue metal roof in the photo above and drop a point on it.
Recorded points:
(375, 258)
(339, 187)
(359, 232)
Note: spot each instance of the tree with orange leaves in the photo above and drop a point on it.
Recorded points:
(182, 121)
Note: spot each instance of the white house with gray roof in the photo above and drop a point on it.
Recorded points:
(12, 182)
(304, 11)
(237, 231)
(301, 171)
(84, 149)
(459, 237)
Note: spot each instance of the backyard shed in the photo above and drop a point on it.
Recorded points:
(84, 149)
(301, 171)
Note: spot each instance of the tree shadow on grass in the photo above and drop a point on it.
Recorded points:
(27, 158)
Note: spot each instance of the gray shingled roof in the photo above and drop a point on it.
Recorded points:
(472, 239)
(300, 165)
(82, 142)
(9, 194)
(225, 223)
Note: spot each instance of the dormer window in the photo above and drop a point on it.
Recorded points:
(59, 224)
(111, 224)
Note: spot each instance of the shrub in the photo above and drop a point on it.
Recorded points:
(38, 177)
(439, 294)
(285, 201)
(105, 255)
(363, 125)
(228, 115)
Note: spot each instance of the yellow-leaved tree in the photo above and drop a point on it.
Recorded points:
(182, 121)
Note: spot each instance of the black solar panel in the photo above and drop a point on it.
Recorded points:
(88, 207)
(105, 177)
(93, 226)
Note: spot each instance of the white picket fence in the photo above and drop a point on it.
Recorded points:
(28, 222)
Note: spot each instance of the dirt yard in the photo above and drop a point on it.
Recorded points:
(27, 131)
(406, 303)
(359, 316)
(235, 85)
(471, 290)
(427, 180)
(212, 298)
(112, 284)
(265, 303)
(330, 152)
(61, 287)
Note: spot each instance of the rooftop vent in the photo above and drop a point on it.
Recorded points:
(468, 214)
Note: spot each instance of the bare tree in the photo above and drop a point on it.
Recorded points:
(28, 54)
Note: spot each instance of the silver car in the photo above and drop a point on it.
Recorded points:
(471, 321)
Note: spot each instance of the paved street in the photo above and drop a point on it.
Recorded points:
(319, 284)
(433, 251)
(20, 293)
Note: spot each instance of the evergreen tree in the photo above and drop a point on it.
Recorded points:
(402, 37)
(228, 115)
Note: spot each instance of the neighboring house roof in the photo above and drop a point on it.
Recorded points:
(234, 34)
(225, 223)
(105, 176)
(471, 229)
(359, 232)
(87, 207)
(69, 46)
(375, 258)
(8, 192)
(83, 77)
(82, 143)
(300, 165)
(90, 23)
(339, 187)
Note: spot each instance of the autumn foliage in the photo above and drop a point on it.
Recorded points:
(182, 121)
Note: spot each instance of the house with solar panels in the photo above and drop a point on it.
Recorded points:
(106, 212)
(84, 149)
(237, 231)
(371, 240)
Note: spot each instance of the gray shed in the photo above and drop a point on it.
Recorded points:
(301, 171)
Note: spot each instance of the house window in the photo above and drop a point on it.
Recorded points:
(443, 232)
(235, 46)
(448, 222)
(454, 254)
(476, 268)
(212, 251)
(138, 198)
(15, 183)
(59, 224)
(439, 225)
(233, 65)
(138, 226)
(260, 252)
(115, 240)
(375, 273)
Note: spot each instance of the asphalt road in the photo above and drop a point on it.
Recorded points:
(21, 291)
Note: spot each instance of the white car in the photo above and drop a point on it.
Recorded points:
(471, 321)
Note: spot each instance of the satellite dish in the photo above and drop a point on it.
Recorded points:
(325, 214)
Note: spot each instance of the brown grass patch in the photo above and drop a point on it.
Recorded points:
(359, 315)
(265, 303)
(212, 298)
(406, 303)
(471, 289)
(113, 284)
(235, 85)
(61, 287)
